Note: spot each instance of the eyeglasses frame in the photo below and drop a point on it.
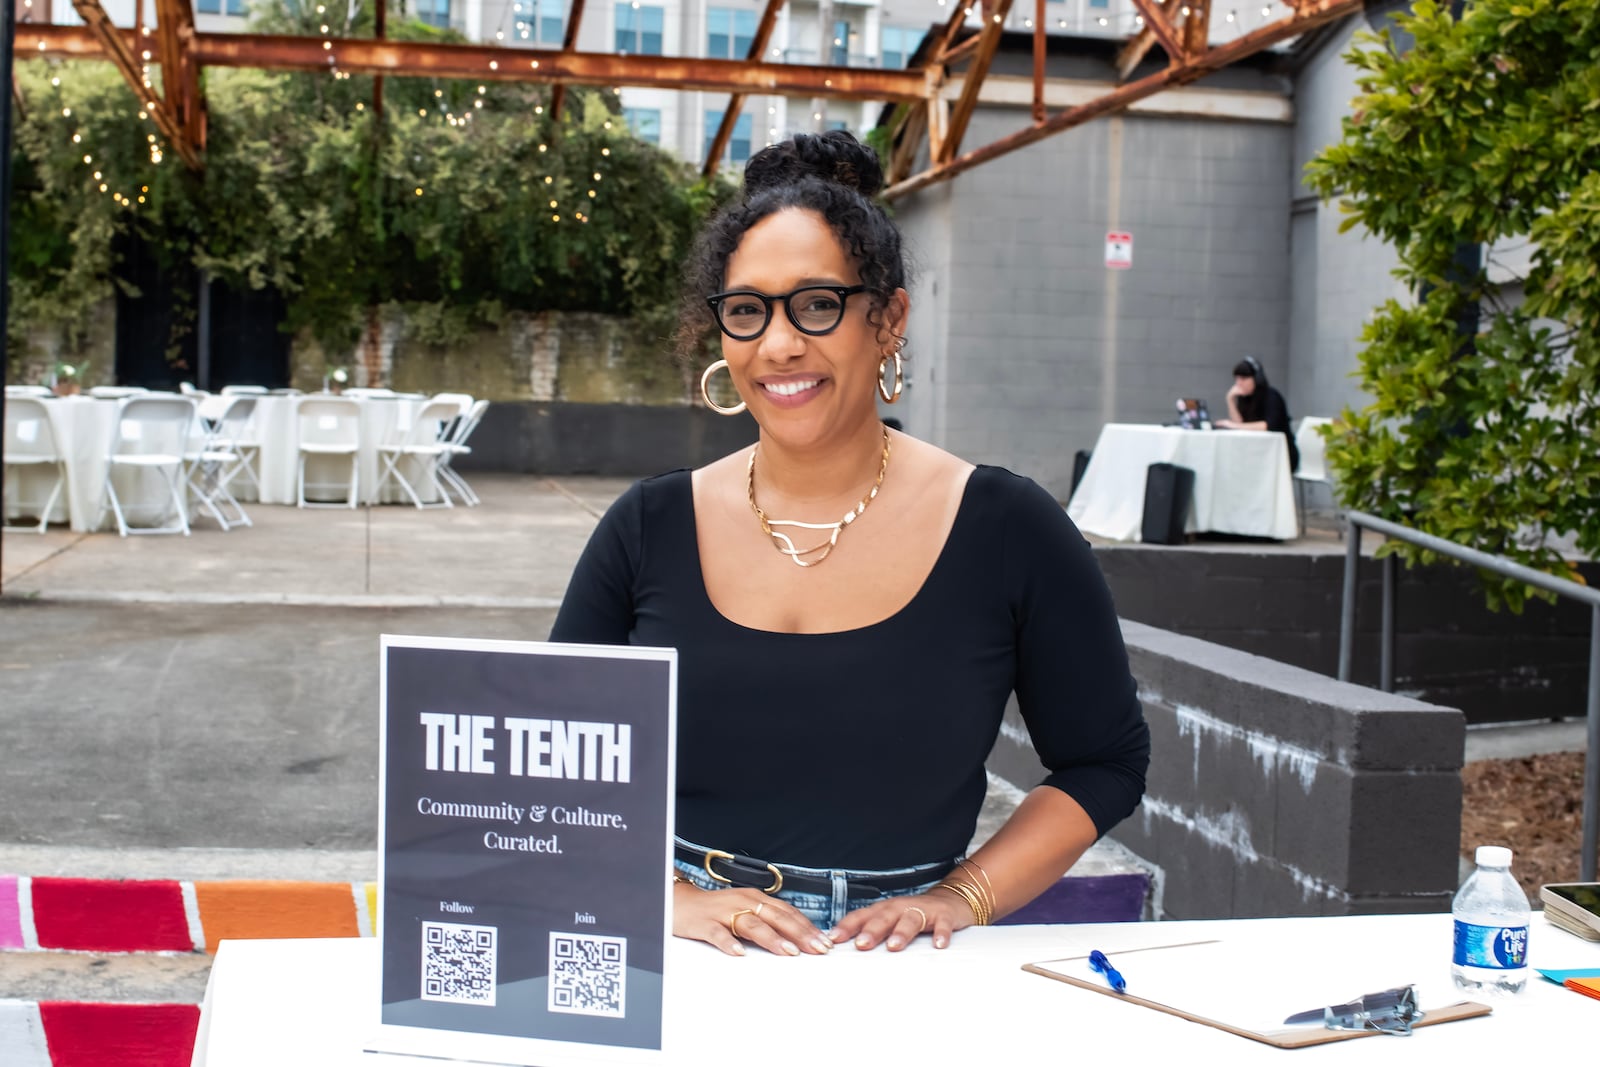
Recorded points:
(844, 292)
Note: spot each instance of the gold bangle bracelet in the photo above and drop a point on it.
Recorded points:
(967, 891)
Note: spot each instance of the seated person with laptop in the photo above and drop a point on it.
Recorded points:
(1255, 405)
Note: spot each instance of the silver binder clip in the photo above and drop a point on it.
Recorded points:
(1393, 1011)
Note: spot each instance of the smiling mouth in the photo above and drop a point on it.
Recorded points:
(791, 388)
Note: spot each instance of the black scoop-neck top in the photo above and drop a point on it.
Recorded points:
(865, 748)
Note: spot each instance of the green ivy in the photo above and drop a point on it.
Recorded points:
(1486, 131)
(306, 190)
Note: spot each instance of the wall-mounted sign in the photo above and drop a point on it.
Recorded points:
(1119, 250)
(525, 846)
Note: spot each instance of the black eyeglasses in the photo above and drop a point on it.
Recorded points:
(744, 314)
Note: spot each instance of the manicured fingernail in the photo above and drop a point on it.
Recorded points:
(940, 942)
(863, 941)
(822, 944)
(738, 950)
(791, 948)
(836, 935)
(896, 943)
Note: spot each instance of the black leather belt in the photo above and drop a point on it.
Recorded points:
(730, 869)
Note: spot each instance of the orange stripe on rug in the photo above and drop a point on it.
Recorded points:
(246, 909)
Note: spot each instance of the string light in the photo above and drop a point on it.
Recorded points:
(543, 147)
(77, 137)
(1230, 16)
(555, 218)
(477, 103)
(538, 109)
(596, 176)
(552, 203)
(360, 106)
(591, 194)
(66, 112)
(55, 81)
(419, 190)
(548, 179)
(494, 64)
(605, 151)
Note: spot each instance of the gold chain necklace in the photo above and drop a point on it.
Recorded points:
(783, 543)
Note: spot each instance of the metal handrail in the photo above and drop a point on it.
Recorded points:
(1562, 587)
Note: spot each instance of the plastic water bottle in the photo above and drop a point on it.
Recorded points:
(1491, 920)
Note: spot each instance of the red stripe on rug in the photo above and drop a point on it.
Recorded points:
(124, 1035)
(98, 915)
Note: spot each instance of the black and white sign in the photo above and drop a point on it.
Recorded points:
(525, 845)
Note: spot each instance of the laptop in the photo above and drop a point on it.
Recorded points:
(1192, 414)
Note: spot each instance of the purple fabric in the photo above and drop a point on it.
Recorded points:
(10, 913)
(1109, 898)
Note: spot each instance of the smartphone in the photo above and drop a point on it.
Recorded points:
(1573, 906)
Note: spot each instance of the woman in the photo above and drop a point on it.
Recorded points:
(1255, 405)
(841, 680)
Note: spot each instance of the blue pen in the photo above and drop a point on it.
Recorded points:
(1098, 961)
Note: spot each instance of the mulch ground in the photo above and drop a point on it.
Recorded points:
(1532, 805)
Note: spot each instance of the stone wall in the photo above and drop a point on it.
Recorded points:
(95, 357)
(1275, 791)
(576, 357)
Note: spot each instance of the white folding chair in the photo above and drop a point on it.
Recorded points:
(370, 393)
(116, 392)
(30, 443)
(244, 390)
(1313, 463)
(218, 458)
(328, 427)
(39, 392)
(422, 444)
(152, 438)
(457, 442)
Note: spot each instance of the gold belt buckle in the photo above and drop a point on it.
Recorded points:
(712, 853)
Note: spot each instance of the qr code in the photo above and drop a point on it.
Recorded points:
(588, 974)
(458, 963)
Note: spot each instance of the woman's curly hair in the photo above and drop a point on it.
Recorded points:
(832, 174)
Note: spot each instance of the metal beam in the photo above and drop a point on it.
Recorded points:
(1195, 33)
(1157, 27)
(994, 17)
(569, 43)
(1038, 61)
(1312, 13)
(730, 114)
(180, 77)
(105, 41)
(483, 63)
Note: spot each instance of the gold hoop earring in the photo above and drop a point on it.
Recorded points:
(891, 395)
(705, 393)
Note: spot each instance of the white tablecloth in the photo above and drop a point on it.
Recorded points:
(84, 428)
(277, 432)
(1242, 483)
(316, 1001)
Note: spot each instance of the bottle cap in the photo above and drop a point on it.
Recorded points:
(1493, 856)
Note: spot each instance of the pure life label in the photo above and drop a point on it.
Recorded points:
(1497, 947)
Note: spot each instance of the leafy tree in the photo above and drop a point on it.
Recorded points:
(1486, 131)
(442, 204)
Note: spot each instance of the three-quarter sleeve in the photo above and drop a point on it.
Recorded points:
(598, 607)
(1073, 683)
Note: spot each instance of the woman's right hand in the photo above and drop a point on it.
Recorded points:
(727, 918)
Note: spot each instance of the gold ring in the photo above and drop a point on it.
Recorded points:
(920, 914)
(733, 920)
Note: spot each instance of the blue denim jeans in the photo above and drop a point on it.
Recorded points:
(824, 910)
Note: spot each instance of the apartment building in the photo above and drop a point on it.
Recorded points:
(863, 33)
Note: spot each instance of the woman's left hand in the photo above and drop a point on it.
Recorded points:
(898, 921)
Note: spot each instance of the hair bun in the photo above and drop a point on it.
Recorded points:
(835, 156)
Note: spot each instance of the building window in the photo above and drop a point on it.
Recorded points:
(639, 29)
(1101, 4)
(739, 144)
(201, 7)
(839, 47)
(433, 12)
(899, 44)
(541, 21)
(729, 33)
(645, 122)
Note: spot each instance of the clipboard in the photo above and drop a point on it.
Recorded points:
(1074, 970)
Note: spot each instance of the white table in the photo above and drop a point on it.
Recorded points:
(382, 419)
(84, 429)
(315, 1001)
(1242, 482)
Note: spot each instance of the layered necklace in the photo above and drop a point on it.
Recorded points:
(810, 557)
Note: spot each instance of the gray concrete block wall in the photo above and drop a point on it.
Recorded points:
(1274, 791)
(1338, 279)
(1044, 344)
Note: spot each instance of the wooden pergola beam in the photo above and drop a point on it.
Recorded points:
(994, 17)
(109, 42)
(730, 114)
(483, 63)
(1157, 27)
(1310, 15)
(569, 43)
